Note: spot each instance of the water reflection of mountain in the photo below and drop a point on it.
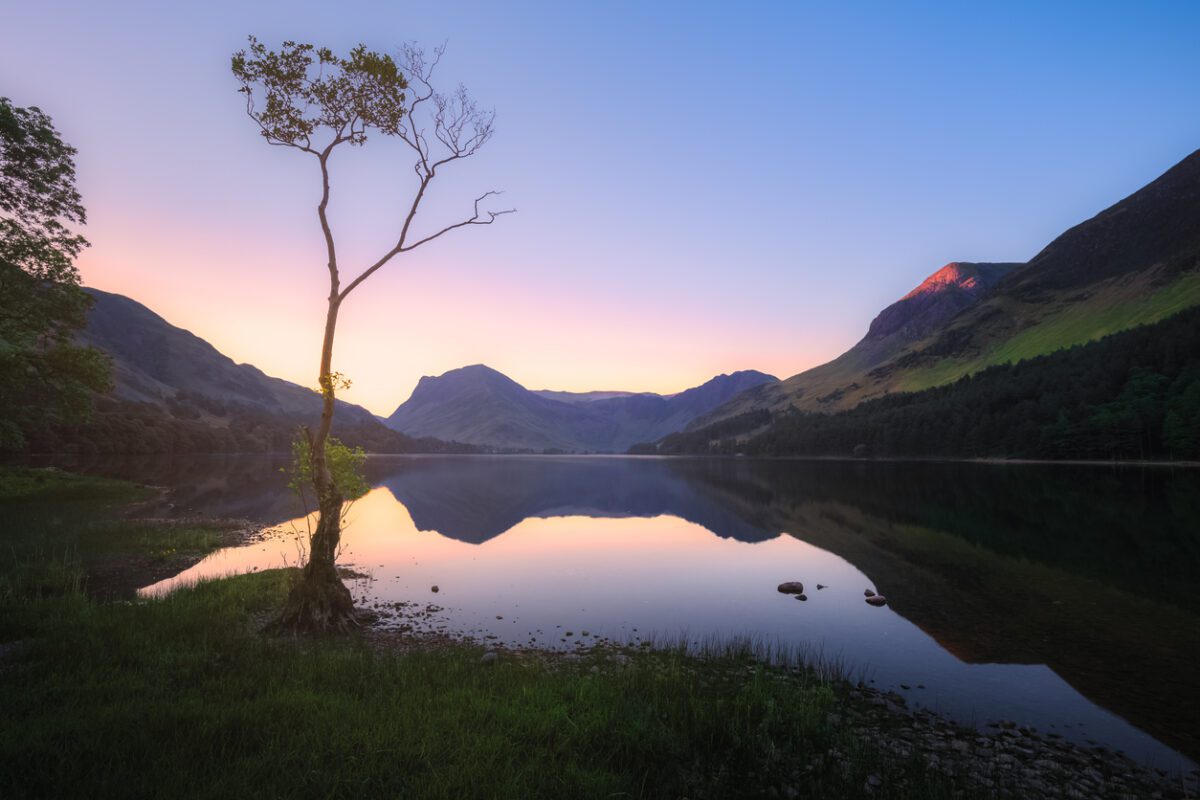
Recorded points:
(476, 499)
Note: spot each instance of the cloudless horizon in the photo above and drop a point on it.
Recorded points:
(700, 188)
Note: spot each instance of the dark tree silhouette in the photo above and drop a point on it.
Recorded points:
(45, 378)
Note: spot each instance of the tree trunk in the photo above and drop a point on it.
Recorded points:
(319, 602)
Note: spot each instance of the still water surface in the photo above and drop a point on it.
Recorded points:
(1059, 597)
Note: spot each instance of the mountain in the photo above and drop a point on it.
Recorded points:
(1132, 395)
(939, 297)
(481, 406)
(176, 393)
(1134, 263)
(154, 361)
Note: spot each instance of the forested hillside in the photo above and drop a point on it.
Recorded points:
(191, 424)
(1130, 395)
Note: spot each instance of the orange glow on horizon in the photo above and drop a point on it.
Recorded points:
(406, 325)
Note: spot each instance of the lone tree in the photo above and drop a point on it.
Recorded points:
(311, 100)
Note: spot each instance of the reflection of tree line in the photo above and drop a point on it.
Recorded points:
(1132, 528)
(221, 485)
(1012, 564)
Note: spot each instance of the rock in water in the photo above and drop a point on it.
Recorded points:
(801, 597)
(433, 589)
(791, 587)
(869, 593)
(877, 600)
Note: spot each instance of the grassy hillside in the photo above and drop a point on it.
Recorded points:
(1112, 308)
(1131, 395)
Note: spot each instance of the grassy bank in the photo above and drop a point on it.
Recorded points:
(92, 689)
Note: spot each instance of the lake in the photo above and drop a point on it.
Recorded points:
(1060, 597)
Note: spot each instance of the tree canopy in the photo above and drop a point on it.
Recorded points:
(44, 376)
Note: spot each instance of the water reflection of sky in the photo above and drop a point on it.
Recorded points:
(627, 578)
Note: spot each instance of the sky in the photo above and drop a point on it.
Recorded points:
(700, 187)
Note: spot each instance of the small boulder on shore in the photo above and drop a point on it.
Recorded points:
(877, 600)
(791, 587)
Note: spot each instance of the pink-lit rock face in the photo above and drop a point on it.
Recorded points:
(939, 297)
(964, 277)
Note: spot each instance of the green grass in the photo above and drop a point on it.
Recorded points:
(57, 527)
(155, 540)
(1077, 323)
(178, 697)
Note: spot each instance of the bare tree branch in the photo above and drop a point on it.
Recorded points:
(478, 218)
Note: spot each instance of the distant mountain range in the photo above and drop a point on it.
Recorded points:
(1135, 263)
(478, 405)
(174, 391)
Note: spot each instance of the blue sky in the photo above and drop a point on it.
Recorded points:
(701, 187)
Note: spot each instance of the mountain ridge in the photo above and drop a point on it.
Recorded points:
(175, 393)
(1134, 263)
(479, 405)
(154, 361)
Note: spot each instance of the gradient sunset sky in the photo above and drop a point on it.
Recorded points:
(701, 187)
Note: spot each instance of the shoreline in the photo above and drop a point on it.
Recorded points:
(21, 459)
